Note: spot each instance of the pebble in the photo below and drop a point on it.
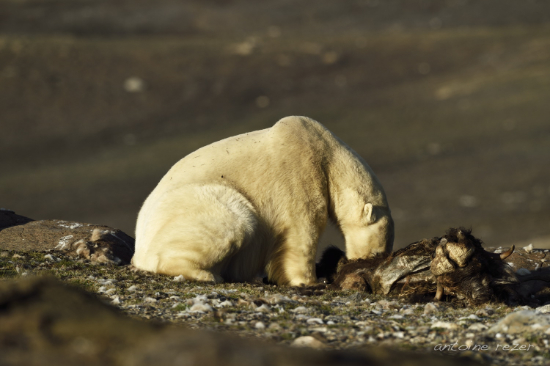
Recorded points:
(200, 307)
(259, 325)
(444, 325)
(263, 309)
(470, 317)
(277, 299)
(274, 327)
(478, 327)
(300, 310)
(225, 304)
(199, 299)
(528, 248)
(150, 299)
(399, 335)
(315, 321)
(430, 308)
(385, 304)
(356, 297)
(132, 288)
(308, 341)
(106, 281)
(179, 278)
(488, 311)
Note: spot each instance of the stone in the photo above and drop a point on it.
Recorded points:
(545, 309)
(444, 325)
(477, 327)
(315, 321)
(278, 299)
(300, 310)
(522, 321)
(200, 307)
(430, 308)
(96, 243)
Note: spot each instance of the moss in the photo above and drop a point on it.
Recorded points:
(179, 307)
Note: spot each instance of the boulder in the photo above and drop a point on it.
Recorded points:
(97, 243)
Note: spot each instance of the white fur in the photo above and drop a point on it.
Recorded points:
(258, 202)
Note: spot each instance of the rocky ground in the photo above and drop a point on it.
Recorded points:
(321, 318)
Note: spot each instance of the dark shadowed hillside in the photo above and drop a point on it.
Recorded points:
(446, 100)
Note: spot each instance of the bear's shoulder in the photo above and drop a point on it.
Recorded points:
(301, 129)
(300, 125)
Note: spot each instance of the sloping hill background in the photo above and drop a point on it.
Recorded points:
(448, 101)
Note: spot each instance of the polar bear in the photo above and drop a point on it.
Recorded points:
(257, 203)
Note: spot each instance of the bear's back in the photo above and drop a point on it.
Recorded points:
(289, 142)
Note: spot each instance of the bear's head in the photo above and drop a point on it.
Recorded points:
(373, 235)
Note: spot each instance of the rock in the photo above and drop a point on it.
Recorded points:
(259, 325)
(315, 321)
(521, 322)
(225, 303)
(385, 304)
(96, 243)
(356, 297)
(543, 309)
(300, 310)
(308, 341)
(430, 308)
(200, 307)
(478, 327)
(278, 299)
(263, 309)
(470, 317)
(9, 218)
(444, 325)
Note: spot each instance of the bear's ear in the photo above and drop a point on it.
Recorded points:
(368, 213)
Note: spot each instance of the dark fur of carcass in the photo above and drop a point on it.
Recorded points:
(407, 272)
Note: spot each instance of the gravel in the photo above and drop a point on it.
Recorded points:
(322, 319)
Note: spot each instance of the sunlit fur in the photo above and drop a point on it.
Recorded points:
(257, 203)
